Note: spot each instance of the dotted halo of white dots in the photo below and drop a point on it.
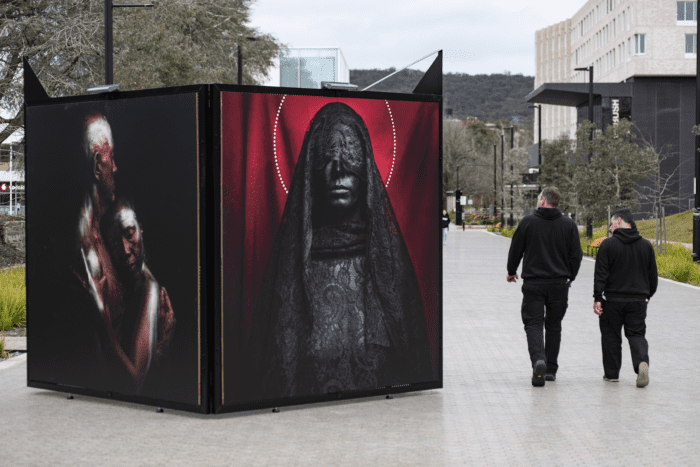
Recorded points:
(393, 156)
(274, 144)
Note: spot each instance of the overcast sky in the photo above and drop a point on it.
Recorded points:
(477, 36)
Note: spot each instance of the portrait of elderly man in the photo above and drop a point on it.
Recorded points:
(97, 270)
(94, 265)
(148, 315)
(339, 307)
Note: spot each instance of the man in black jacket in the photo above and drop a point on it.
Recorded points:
(445, 224)
(625, 271)
(552, 254)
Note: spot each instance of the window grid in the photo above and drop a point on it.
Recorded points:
(687, 11)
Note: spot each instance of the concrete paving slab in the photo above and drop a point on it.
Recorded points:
(15, 343)
(488, 414)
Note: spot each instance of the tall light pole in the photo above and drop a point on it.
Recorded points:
(696, 210)
(502, 196)
(109, 44)
(539, 132)
(495, 188)
(458, 204)
(589, 221)
(510, 221)
(240, 60)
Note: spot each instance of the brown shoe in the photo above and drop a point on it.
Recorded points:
(643, 375)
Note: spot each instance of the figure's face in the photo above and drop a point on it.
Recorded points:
(338, 184)
(126, 244)
(101, 146)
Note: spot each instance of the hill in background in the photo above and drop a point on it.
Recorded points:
(486, 97)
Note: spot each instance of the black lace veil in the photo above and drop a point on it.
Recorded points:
(282, 320)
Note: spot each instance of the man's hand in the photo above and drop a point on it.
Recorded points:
(512, 278)
(598, 308)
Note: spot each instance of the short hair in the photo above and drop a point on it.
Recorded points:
(109, 219)
(96, 127)
(551, 195)
(625, 215)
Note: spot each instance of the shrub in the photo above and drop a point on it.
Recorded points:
(13, 298)
(598, 233)
(508, 232)
(2, 347)
(678, 265)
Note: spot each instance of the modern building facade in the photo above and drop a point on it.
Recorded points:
(307, 67)
(643, 54)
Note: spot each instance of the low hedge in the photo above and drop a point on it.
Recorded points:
(13, 298)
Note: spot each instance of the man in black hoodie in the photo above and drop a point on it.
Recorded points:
(552, 254)
(625, 271)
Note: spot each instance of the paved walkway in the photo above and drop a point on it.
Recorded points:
(487, 414)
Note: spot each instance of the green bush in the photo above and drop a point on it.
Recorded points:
(600, 232)
(13, 298)
(678, 265)
(2, 347)
(508, 232)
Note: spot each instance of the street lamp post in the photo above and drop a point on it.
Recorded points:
(495, 187)
(589, 221)
(502, 195)
(696, 210)
(109, 44)
(510, 220)
(240, 60)
(458, 204)
(539, 140)
(539, 132)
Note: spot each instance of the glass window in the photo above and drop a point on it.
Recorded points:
(691, 43)
(640, 43)
(687, 11)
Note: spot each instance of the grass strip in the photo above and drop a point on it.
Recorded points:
(13, 298)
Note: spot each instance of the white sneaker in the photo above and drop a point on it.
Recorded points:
(643, 375)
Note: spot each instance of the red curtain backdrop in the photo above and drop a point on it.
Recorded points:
(256, 127)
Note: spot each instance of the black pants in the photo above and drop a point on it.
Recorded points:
(631, 315)
(544, 303)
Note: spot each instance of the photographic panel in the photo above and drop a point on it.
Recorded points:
(113, 247)
(330, 245)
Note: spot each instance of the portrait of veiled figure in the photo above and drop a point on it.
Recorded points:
(340, 306)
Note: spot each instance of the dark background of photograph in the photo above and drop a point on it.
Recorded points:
(155, 141)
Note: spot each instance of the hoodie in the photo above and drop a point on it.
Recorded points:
(549, 245)
(625, 268)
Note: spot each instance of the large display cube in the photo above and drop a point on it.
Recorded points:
(216, 248)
